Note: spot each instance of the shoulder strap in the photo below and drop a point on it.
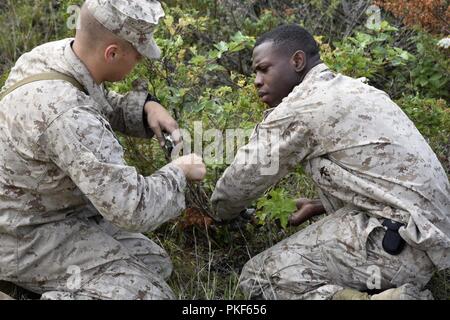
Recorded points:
(43, 77)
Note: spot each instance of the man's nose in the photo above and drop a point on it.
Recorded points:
(258, 80)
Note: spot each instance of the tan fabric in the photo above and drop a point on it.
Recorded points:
(341, 251)
(43, 77)
(139, 275)
(61, 164)
(359, 148)
(404, 292)
(4, 296)
(133, 21)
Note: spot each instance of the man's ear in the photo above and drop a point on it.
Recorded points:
(111, 53)
(299, 60)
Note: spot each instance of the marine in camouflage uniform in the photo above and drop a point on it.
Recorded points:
(70, 208)
(368, 162)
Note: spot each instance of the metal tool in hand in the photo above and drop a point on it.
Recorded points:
(168, 146)
(248, 213)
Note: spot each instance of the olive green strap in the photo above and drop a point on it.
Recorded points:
(43, 77)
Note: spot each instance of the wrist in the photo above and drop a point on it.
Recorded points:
(149, 105)
(149, 102)
(151, 98)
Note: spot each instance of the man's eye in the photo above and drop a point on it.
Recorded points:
(263, 69)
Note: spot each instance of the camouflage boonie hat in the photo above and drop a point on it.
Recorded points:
(131, 20)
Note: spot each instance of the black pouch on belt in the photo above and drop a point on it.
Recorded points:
(392, 242)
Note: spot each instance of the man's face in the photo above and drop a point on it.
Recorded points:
(276, 76)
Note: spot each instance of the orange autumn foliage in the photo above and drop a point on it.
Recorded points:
(194, 217)
(433, 15)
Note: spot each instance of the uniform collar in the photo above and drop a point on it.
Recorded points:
(314, 72)
(80, 72)
(267, 112)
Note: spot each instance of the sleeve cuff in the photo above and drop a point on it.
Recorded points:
(144, 114)
(134, 114)
(177, 174)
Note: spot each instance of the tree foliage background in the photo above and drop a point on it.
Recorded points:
(205, 75)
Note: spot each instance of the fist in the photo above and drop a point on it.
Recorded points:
(193, 167)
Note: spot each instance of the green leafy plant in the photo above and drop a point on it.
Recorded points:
(277, 205)
(29, 24)
(432, 118)
(3, 78)
(431, 71)
(371, 54)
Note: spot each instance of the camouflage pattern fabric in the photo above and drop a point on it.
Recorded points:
(361, 150)
(139, 275)
(61, 165)
(340, 251)
(130, 20)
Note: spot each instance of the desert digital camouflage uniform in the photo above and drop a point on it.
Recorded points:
(369, 162)
(66, 195)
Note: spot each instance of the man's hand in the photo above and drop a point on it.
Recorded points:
(159, 121)
(307, 209)
(193, 167)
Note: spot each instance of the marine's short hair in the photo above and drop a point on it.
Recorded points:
(291, 38)
(94, 35)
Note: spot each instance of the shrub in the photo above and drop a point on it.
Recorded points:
(430, 73)
(275, 206)
(29, 24)
(371, 54)
(433, 15)
(432, 119)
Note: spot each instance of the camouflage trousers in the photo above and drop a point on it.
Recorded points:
(343, 250)
(138, 268)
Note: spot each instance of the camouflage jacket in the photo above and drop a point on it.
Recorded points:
(360, 149)
(59, 155)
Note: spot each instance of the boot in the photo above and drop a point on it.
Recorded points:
(404, 292)
(350, 294)
(4, 296)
